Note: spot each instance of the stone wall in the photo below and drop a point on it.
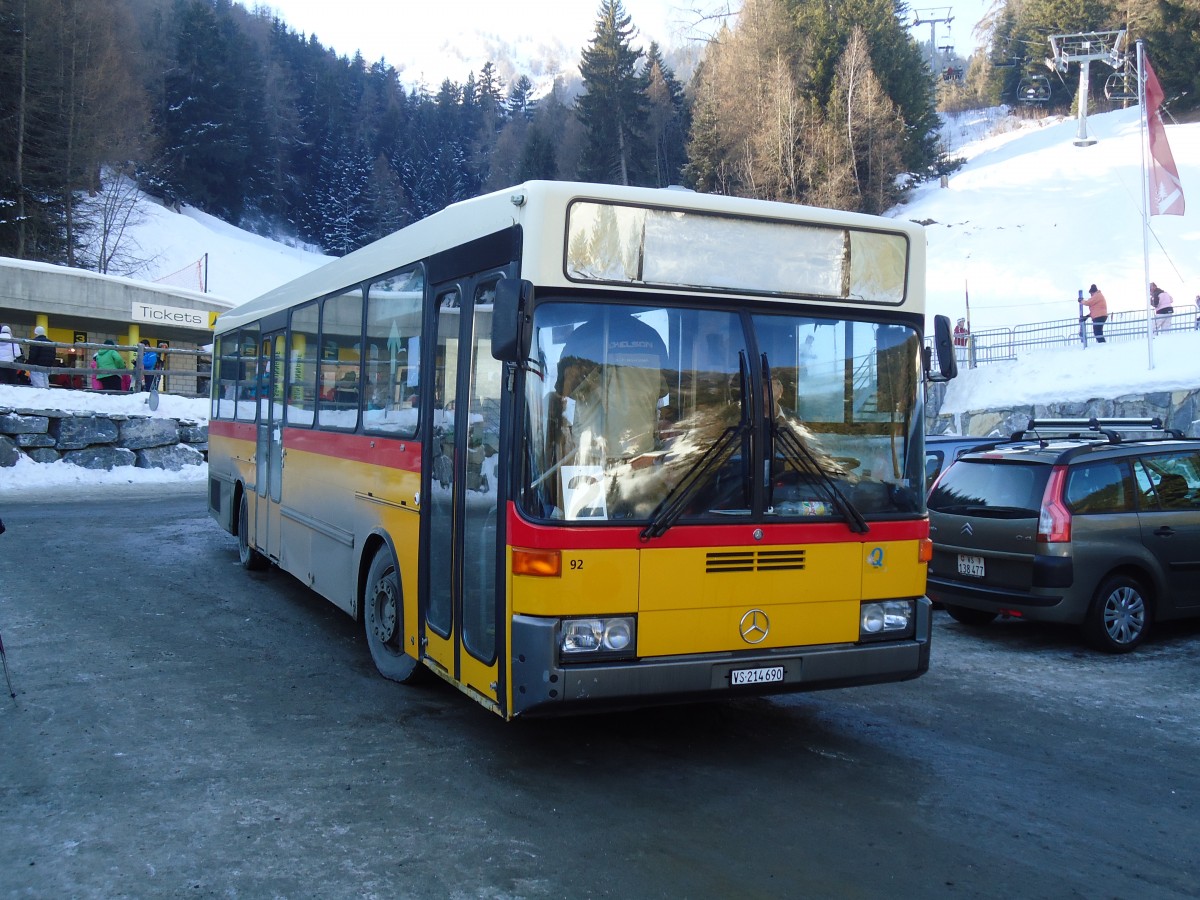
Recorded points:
(100, 441)
(1177, 409)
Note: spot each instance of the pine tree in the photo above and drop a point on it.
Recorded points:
(703, 170)
(750, 112)
(345, 201)
(869, 129)
(211, 127)
(68, 105)
(491, 88)
(538, 158)
(520, 98)
(613, 107)
(20, 111)
(668, 118)
(825, 30)
(486, 122)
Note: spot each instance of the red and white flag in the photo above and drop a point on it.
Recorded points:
(1166, 191)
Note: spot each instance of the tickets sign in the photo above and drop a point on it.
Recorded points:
(172, 315)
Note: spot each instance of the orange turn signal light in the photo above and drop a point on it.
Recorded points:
(545, 563)
(924, 550)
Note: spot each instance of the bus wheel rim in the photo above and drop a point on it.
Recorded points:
(384, 609)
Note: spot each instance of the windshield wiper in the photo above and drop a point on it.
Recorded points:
(797, 453)
(678, 498)
(676, 501)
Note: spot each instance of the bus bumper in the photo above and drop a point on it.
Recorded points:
(541, 686)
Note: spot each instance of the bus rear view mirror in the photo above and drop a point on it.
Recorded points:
(943, 344)
(510, 336)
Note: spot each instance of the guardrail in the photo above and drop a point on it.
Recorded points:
(182, 372)
(1000, 344)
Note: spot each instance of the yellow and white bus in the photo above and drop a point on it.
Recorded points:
(575, 446)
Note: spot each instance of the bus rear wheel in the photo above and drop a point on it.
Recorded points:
(383, 620)
(250, 558)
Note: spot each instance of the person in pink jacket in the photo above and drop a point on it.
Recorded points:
(1097, 308)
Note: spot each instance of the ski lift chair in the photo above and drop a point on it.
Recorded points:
(1034, 89)
(1121, 85)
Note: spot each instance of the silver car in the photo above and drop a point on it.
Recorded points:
(1082, 527)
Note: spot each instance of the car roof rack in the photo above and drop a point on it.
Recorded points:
(1111, 430)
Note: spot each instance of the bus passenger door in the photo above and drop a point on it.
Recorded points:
(269, 449)
(461, 616)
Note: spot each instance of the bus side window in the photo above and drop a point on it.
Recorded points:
(247, 375)
(225, 376)
(302, 366)
(391, 378)
(341, 329)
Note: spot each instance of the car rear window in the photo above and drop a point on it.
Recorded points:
(994, 488)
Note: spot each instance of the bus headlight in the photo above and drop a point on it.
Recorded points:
(886, 620)
(608, 638)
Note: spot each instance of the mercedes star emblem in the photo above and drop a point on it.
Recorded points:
(754, 626)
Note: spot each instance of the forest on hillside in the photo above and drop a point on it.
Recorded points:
(230, 110)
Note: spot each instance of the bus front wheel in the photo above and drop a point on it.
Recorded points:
(383, 620)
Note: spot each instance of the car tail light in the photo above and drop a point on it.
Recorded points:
(1054, 520)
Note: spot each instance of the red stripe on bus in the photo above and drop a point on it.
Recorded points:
(373, 449)
(523, 533)
(240, 431)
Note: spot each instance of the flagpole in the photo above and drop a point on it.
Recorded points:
(970, 338)
(1145, 136)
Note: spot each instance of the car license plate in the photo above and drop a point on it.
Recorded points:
(970, 565)
(765, 675)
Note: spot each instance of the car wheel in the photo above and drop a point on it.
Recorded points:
(250, 558)
(976, 618)
(1119, 616)
(383, 620)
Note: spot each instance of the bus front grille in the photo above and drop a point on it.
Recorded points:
(753, 561)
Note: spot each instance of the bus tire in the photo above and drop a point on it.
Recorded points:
(251, 559)
(383, 620)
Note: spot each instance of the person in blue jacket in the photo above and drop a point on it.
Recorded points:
(149, 364)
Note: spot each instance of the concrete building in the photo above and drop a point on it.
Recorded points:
(80, 308)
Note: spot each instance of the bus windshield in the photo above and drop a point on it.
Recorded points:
(643, 414)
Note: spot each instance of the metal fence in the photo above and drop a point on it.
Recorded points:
(999, 344)
(183, 372)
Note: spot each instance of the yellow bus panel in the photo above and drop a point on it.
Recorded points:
(714, 577)
(682, 630)
(892, 570)
(592, 582)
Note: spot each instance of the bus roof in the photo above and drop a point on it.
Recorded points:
(540, 207)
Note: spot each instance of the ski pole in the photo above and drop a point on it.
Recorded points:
(7, 677)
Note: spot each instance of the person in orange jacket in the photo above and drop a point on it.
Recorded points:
(1098, 312)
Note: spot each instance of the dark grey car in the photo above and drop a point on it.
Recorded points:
(1099, 533)
(941, 450)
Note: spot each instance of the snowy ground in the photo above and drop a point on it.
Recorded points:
(1069, 374)
(1031, 218)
